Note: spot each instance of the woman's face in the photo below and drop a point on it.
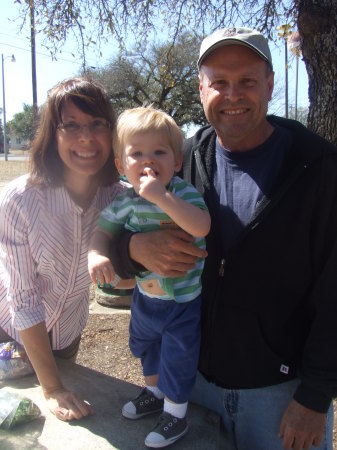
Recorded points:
(83, 142)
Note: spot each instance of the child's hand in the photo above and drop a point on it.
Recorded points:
(151, 188)
(100, 268)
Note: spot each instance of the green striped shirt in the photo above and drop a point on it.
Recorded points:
(132, 212)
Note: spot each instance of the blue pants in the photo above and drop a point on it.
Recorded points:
(166, 336)
(251, 418)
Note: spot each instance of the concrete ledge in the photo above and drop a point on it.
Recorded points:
(107, 429)
(113, 298)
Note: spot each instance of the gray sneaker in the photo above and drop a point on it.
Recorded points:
(146, 403)
(167, 431)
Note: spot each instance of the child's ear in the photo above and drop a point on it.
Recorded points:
(178, 163)
(119, 166)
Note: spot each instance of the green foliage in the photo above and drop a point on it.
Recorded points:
(164, 76)
(93, 21)
(22, 124)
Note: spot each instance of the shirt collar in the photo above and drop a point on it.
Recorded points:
(60, 202)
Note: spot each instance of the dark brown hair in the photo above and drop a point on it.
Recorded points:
(91, 98)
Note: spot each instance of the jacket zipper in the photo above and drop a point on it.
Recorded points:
(222, 267)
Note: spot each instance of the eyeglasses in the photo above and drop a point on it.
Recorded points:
(95, 127)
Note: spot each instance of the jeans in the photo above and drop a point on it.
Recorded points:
(251, 418)
(166, 336)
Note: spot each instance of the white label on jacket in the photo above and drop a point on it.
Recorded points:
(284, 369)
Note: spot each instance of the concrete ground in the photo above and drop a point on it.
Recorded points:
(107, 429)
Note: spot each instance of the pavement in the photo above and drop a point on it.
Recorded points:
(107, 429)
(15, 155)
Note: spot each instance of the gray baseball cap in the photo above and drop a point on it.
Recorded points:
(236, 36)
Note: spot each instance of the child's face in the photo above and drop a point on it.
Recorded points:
(149, 149)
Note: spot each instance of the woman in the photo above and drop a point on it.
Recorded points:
(46, 220)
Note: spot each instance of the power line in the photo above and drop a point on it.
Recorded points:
(42, 54)
(39, 53)
(25, 41)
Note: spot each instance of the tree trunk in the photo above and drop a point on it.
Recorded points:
(317, 25)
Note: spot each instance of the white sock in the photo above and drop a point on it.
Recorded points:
(175, 409)
(155, 391)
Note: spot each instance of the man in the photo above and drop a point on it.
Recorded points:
(268, 359)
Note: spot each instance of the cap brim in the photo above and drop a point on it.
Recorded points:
(226, 42)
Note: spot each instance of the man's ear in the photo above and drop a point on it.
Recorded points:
(119, 166)
(270, 83)
(200, 88)
(178, 163)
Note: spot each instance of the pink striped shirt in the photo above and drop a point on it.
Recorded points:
(44, 276)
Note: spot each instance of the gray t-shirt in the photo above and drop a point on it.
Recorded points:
(242, 179)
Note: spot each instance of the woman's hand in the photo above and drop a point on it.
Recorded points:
(66, 405)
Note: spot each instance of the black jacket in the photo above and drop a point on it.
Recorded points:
(270, 309)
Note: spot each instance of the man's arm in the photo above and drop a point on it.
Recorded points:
(303, 423)
(301, 427)
(169, 253)
(124, 266)
(66, 405)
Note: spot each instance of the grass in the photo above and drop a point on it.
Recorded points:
(12, 169)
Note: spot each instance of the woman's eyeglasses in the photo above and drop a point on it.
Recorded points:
(97, 126)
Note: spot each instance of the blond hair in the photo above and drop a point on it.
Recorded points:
(142, 120)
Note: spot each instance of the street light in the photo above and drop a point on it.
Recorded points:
(285, 32)
(294, 45)
(4, 101)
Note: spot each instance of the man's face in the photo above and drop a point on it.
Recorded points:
(235, 88)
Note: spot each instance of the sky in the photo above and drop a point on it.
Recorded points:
(18, 79)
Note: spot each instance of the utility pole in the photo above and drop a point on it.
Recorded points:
(33, 53)
(4, 101)
(4, 105)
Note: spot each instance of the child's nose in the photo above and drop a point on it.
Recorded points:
(148, 159)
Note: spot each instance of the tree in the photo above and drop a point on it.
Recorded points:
(317, 25)
(302, 114)
(164, 76)
(22, 124)
(316, 21)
